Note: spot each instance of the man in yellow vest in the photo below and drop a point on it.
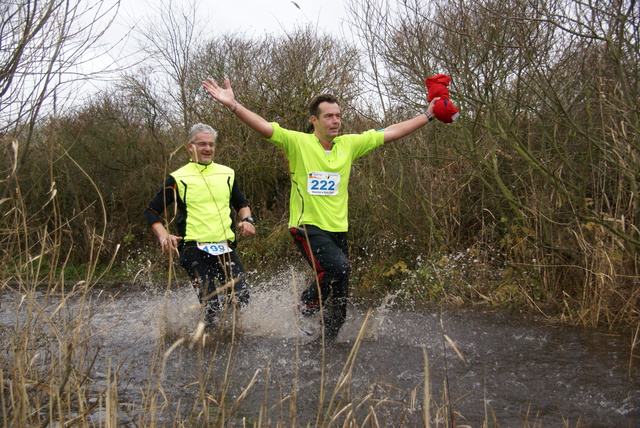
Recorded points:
(320, 165)
(204, 193)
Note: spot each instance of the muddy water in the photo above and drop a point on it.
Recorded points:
(508, 370)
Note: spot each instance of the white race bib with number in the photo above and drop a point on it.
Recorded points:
(215, 248)
(323, 183)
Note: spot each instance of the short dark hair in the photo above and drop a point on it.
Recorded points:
(322, 98)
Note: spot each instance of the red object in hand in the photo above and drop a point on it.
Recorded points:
(437, 86)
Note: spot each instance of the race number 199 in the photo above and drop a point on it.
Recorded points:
(215, 248)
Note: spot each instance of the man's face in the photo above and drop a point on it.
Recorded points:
(202, 148)
(327, 123)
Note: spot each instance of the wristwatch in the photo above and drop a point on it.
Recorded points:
(249, 219)
(429, 116)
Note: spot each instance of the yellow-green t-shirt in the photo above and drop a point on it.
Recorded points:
(320, 180)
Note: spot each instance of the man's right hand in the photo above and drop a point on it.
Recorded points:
(224, 96)
(169, 243)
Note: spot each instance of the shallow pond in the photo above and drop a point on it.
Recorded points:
(483, 367)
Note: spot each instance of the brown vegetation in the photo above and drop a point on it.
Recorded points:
(529, 201)
(536, 185)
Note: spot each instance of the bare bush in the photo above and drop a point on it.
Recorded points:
(547, 146)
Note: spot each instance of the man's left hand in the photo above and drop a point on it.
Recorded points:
(246, 228)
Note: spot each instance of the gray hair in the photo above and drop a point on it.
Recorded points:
(201, 127)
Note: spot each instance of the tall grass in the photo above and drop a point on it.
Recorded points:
(49, 361)
(50, 355)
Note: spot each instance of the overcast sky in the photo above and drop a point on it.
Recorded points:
(253, 18)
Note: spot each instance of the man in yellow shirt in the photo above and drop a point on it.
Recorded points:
(320, 166)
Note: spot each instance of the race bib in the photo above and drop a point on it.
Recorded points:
(215, 248)
(323, 183)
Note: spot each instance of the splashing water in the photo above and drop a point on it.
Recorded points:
(521, 369)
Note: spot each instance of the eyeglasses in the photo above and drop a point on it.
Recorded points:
(202, 145)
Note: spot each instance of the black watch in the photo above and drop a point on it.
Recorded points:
(249, 219)
(429, 116)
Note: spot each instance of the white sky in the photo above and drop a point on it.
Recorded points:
(253, 18)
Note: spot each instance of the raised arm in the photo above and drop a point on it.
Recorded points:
(401, 129)
(225, 97)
